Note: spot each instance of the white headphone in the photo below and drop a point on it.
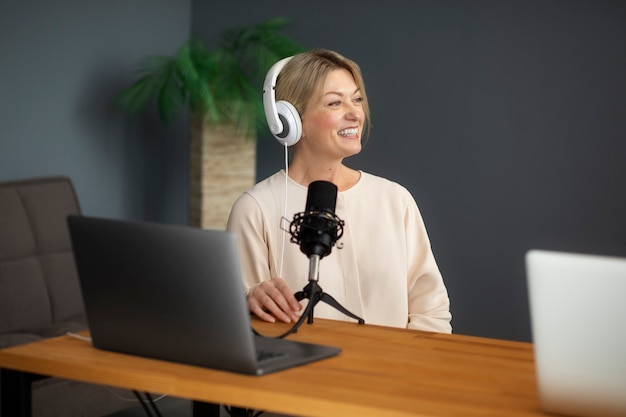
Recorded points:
(282, 117)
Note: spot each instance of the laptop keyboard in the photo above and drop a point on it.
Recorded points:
(265, 355)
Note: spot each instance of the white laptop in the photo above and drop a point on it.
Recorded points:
(578, 317)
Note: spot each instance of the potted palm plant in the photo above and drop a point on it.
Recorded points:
(222, 89)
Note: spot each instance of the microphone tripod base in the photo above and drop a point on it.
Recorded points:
(314, 293)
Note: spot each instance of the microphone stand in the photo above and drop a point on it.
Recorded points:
(314, 293)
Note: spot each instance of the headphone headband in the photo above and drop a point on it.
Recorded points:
(269, 96)
(282, 117)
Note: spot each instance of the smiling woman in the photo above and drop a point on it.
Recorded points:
(385, 271)
(333, 121)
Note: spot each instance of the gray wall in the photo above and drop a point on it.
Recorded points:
(506, 120)
(61, 65)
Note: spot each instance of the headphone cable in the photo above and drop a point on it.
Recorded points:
(282, 251)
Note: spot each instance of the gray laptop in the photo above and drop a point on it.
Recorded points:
(578, 316)
(174, 293)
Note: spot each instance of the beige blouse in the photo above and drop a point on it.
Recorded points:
(384, 271)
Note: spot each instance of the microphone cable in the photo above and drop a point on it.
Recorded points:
(234, 411)
(294, 328)
(147, 404)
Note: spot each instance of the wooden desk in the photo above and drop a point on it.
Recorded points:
(381, 372)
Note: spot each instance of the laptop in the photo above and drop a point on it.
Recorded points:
(174, 293)
(578, 317)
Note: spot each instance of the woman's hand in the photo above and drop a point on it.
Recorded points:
(273, 299)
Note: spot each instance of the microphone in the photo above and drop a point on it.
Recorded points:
(317, 229)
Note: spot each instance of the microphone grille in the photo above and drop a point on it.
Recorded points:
(322, 196)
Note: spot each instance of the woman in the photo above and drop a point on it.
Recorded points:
(383, 269)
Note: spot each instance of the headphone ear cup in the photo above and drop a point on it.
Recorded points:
(292, 125)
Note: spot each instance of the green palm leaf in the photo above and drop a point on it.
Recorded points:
(223, 84)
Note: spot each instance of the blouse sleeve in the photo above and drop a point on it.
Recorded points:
(429, 305)
(247, 223)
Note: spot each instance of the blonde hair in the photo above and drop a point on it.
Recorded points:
(305, 74)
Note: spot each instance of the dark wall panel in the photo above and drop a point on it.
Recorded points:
(506, 120)
(62, 64)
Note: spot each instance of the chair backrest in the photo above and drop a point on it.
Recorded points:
(38, 281)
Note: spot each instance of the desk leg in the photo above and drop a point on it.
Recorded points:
(201, 409)
(15, 394)
(15, 390)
